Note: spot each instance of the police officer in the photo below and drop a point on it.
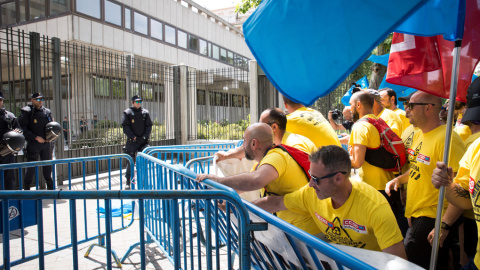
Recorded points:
(8, 122)
(33, 120)
(137, 125)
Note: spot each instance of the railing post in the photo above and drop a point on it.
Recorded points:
(176, 105)
(191, 92)
(6, 235)
(35, 64)
(58, 100)
(253, 92)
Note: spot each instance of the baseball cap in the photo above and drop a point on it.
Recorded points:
(37, 95)
(374, 93)
(473, 102)
(136, 98)
(406, 98)
(1, 95)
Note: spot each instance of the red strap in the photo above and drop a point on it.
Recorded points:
(299, 156)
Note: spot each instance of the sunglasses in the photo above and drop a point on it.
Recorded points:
(412, 104)
(40, 99)
(138, 102)
(317, 179)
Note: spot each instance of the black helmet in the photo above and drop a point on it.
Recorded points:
(52, 130)
(12, 143)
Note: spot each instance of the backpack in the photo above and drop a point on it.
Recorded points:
(391, 154)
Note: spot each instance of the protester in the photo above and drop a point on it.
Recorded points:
(391, 118)
(388, 98)
(348, 212)
(422, 198)
(277, 173)
(347, 124)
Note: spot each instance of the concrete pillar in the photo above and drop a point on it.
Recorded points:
(183, 105)
(169, 103)
(192, 103)
(253, 91)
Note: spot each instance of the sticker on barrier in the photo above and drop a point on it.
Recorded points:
(20, 215)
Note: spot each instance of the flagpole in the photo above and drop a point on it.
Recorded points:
(446, 153)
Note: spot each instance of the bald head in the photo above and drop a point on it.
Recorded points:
(422, 97)
(274, 116)
(365, 98)
(260, 132)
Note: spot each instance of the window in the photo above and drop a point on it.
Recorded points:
(237, 101)
(23, 12)
(156, 29)
(182, 39)
(223, 55)
(193, 43)
(37, 9)
(201, 97)
(102, 86)
(89, 7)
(59, 6)
(219, 99)
(140, 23)
(170, 34)
(118, 88)
(203, 47)
(230, 57)
(215, 52)
(113, 13)
(147, 91)
(158, 91)
(9, 15)
(128, 18)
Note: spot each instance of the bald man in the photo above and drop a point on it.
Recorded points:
(277, 173)
(425, 151)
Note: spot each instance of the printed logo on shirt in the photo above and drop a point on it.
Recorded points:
(324, 221)
(350, 224)
(471, 185)
(411, 152)
(423, 159)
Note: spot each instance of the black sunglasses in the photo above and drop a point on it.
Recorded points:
(412, 104)
(40, 99)
(317, 179)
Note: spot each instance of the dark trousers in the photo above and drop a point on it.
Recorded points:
(9, 175)
(132, 148)
(65, 136)
(418, 248)
(34, 150)
(398, 209)
(470, 237)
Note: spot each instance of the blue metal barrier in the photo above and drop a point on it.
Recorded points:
(85, 212)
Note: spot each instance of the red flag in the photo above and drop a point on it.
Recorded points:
(425, 63)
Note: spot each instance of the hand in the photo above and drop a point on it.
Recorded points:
(442, 176)
(18, 130)
(443, 235)
(40, 139)
(134, 139)
(222, 156)
(330, 115)
(392, 184)
(201, 177)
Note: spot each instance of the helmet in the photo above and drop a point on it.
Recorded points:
(12, 143)
(52, 130)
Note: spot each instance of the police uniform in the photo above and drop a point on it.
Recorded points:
(8, 122)
(33, 122)
(137, 126)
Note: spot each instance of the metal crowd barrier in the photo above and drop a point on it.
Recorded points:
(146, 200)
(86, 211)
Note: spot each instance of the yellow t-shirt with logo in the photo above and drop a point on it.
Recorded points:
(311, 124)
(425, 151)
(365, 220)
(291, 177)
(463, 130)
(392, 120)
(401, 114)
(472, 138)
(408, 135)
(468, 177)
(364, 133)
(299, 142)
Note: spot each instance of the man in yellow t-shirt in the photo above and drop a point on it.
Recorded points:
(422, 198)
(388, 98)
(348, 213)
(309, 123)
(391, 118)
(277, 173)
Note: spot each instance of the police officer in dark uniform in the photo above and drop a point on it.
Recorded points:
(137, 125)
(8, 122)
(33, 120)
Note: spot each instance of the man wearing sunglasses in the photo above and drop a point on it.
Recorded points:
(347, 212)
(137, 126)
(33, 120)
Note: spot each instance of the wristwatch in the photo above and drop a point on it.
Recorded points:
(445, 226)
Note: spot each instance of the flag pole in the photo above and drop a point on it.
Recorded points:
(446, 153)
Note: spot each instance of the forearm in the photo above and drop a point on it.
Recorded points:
(271, 204)
(458, 196)
(403, 178)
(336, 126)
(241, 182)
(238, 152)
(452, 214)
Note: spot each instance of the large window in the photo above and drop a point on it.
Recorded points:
(223, 55)
(113, 13)
(216, 52)
(89, 7)
(201, 97)
(140, 23)
(182, 39)
(193, 43)
(128, 18)
(203, 47)
(37, 9)
(156, 29)
(9, 15)
(59, 6)
(170, 34)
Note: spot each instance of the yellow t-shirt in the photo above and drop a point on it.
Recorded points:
(425, 151)
(463, 130)
(403, 117)
(392, 120)
(299, 142)
(468, 177)
(365, 220)
(472, 138)
(311, 124)
(291, 177)
(364, 133)
(408, 135)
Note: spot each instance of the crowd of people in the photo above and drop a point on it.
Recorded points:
(305, 175)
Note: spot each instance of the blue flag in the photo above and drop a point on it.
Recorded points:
(436, 17)
(346, 98)
(307, 48)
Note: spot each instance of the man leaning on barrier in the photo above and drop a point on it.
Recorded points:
(348, 212)
(276, 173)
(137, 126)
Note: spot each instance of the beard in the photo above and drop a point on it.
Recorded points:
(356, 116)
(248, 154)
